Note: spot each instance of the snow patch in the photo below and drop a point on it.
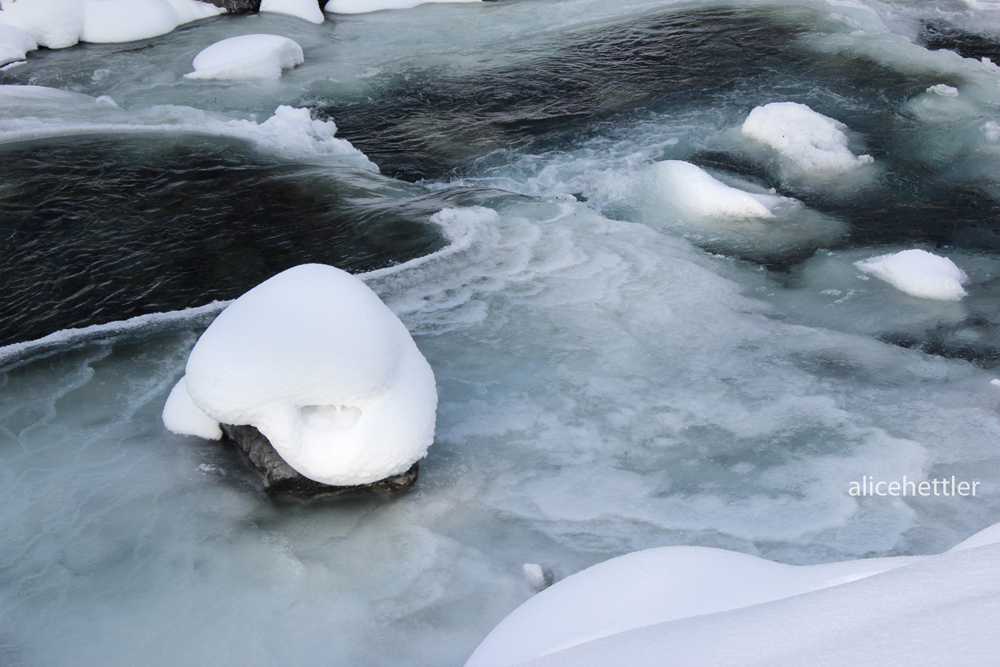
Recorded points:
(304, 9)
(944, 90)
(14, 44)
(696, 192)
(807, 143)
(918, 273)
(182, 416)
(364, 6)
(58, 24)
(316, 361)
(247, 57)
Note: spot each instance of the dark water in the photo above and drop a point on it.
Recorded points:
(100, 229)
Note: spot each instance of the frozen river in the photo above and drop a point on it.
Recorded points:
(614, 373)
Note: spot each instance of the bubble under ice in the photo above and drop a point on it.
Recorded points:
(604, 387)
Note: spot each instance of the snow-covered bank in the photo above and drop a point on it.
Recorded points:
(58, 24)
(712, 607)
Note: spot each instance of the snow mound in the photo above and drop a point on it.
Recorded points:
(944, 90)
(694, 191)
(315, 361)
(704, 606)
(918, 273)
(364, 6)
(247, 57)
(58, 24)
(182, 416)
(14, 44)
(807, 142)
(304, 9)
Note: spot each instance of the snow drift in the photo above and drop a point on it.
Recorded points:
(919, 273)
(315, 361)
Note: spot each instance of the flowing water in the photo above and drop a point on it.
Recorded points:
(610, 378)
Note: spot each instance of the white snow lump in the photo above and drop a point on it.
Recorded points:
(320, 366)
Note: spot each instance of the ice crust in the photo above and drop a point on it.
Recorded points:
(58, 24)
(672, 601)
(247, 57)
(365, 6)
(919, 273)
(304, 9)
(315, 361)
(807, 143)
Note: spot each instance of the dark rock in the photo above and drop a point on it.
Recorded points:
(244, 6)
(280, 479)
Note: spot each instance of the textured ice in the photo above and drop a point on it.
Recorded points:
(304, 9)
(247, 57)
(61, 23)
(637, 608)
(364, 6)
(919, 273)
(315, 361)
(805, 142)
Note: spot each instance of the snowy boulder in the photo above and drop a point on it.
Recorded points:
(247, 57)
(304, 9)
(316, 362)
(918, 273)
(14, 44)
(694, 191)
(804, 142)
(365, 6)
(55, 24)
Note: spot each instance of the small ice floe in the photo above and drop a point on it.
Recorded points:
(734, 216)
(247, 57)
(364, 6)
(537, 576)
(918, 273)
(304, 9)
(808, 141)
(316, 362)
(944, 90)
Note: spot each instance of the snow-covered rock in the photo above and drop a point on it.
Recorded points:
(919, 273)
(181, 415)
(304, 9)
(14, 44)
(324, 370)
(364, 6)
(703, 606)
(61, 23)
(805, 142)
(247, 57)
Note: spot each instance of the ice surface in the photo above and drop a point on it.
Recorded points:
(364, 6)
(58, 24)
(324, 370)
(631, 610)
(805, 143)
(304, 9)
(919, 273)
(247, 57)
(14, 44)
(182, 416)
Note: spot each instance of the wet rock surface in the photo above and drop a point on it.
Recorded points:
(280, 479)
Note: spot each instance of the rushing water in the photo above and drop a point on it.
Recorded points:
(610, 379)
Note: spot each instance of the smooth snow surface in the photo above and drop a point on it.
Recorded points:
(61, 23)
(919, 273)
(637, 608)
(247, 57)
(304, 9)
(691, 189)
(320, 366)
(182, 416)
(807, 143)
(365, 6)
(14, 44)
